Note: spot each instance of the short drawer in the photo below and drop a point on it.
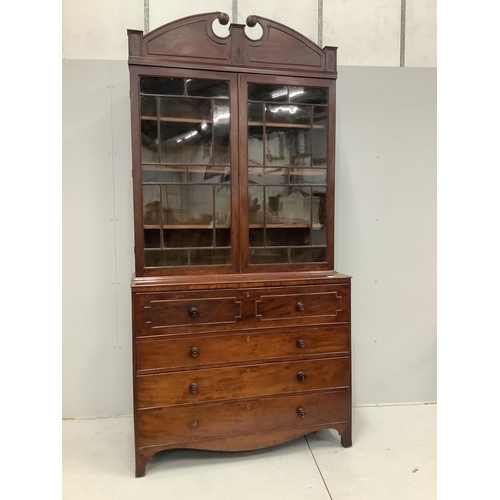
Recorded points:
(241, 382)
(216, 349)
(305, 305)
(178, 424)
(160, 312)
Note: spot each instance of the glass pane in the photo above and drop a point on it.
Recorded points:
(319, 136)
(159, 173)
(311, 254)
(319, 205)
(258, 175)
(285, 237)
(319, 236)
(152, 238)
(255, 112)
(258, 92)
(309, 95)
(186, 143)
(210, 257)
(288, 146)
(187, 205)
(288, 114)
(151, 204)
(222, 206)
(149, 141)
(255, 146)
(268, 256)
(223, 237)
(163, 86)
(256, 237)
(149, 107)
(207, 88)
(186, 110)
(209, 175)
(221, 133)
(307, 176)
(165, 258)
(288, 206)
(188, 238)
(256, 205)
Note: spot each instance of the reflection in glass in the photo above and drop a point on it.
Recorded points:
(319, 236)
(149, 141)
(309, 95)
(209, 175)
(319, 151)
(288, 206)
(288, 146)
(256, 237)
(165, 258)
(207, 88)
(255, 146)
(311, 254)
(223, 237)
(259, 92)
(187, 205)
(319, 205)
(151, 205)
(256, 205)
(286, 113)
(221, 133)
(186, 109)
(307, 176)
(212, 257)
(260, 175)
(222, 205)
(163, 86)
(149, 107)
(268, 256)
(255, 112)
(185, 142)
(284, 237)
(152, 238)
(160, 173)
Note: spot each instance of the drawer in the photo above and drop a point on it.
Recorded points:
(214, 349)
(303, 305)
(241, 382)
(155, 313)
(180, 424)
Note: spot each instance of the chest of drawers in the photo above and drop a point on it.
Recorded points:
(239, 364)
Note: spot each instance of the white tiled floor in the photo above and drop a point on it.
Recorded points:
(393, 457)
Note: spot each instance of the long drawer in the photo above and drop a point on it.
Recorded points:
(241, 381)
(215, 349)
(172, 313)
(180, 424)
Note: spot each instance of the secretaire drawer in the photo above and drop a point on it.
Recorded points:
(214, 349)
(179, 424)
(241, 381)
(157, 313)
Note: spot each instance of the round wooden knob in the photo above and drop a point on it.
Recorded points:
(193, 312)
(301, 343)
(194, 351)
(301, 376)
(300, 306)
(301, 412)
(193, 388)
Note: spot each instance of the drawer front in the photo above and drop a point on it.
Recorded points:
(187, 424)
(214, 349)
(308, 305)
(241, 382)
(157, 312)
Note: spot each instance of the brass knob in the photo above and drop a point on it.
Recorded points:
(301, 343)
(194, 351)
(301, 376)
(193, 388)
(193, 312)
(301, 412)
(300, 306)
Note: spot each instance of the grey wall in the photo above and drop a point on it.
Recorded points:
(385, 233)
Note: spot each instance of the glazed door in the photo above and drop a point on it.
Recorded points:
(185, 171)
(287, 137)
